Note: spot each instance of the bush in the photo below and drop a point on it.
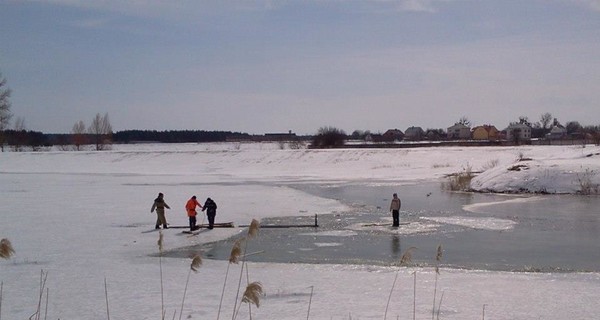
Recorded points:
(460, 181)
(328, 137)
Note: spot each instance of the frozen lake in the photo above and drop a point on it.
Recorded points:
(550, 233)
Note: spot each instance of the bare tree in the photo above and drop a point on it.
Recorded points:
(546, 120)
(101, 131)
(464, 121)
(79, 135)
(524, 120)
(5, 114)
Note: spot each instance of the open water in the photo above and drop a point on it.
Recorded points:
(546, 233)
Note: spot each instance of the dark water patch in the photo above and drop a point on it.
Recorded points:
(550, 233)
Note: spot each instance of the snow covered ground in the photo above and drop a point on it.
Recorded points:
(80, 217)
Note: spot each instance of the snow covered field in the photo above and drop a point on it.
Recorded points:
(79, 216)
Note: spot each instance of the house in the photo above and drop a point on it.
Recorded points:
(518, 132)
(459, 131)
(557, 132)
(393, 135)
(414, 133)
(485, 132)
(435, 134)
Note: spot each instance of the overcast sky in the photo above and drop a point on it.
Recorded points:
(273, 66)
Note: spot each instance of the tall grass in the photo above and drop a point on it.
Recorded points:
(438, 259)
(252, 295)
(6, 249)
(460, 181)
(162, 294)
(106, 296)
(194, 266)
(252, 232)
(405, 259)
(234, 257)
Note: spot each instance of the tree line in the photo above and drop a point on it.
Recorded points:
(100, 135)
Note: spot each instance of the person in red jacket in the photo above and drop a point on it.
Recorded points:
(190, 207)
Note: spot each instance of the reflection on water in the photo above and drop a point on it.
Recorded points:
(396, 245)
(483, 231)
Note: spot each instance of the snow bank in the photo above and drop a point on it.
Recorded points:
(558, 170)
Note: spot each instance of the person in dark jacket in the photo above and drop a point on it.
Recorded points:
(211, 211)
(160, 205)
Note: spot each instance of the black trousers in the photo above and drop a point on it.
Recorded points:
(192, 223)
(396, 218)
(211, 219)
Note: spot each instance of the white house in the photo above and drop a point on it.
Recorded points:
(557, 132)
(459, 131)
(414, 133)
(518, 131)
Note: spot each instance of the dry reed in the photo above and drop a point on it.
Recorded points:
(405, 259)
(253, 229)
(253, 293)
(6, 249)
(252, 232)
(236, 251)
(162, 291)
(106, 296)
(438, 259)
(194, 266)
(234, 257)
(312, 288)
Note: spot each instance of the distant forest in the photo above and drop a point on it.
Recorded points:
(129, 136)
(34, 139)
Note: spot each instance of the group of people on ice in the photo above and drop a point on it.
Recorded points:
(209, 206)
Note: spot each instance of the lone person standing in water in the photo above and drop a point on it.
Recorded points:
(395, 209)
(160, 205)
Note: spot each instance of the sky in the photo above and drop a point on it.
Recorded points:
(260, 66)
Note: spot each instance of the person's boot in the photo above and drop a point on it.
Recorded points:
(157, 227)
(165, 226)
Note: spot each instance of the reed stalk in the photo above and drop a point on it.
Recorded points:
(310, 301)
(162, 296)
(252, 232)
(438, 259)
(195, 265)
(106, 296)
(234, 257)
(6, 249)
(405, 259)
(415, 295)
(252, 295)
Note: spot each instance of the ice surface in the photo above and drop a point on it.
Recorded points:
(79, 216)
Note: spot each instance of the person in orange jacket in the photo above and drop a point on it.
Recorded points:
(190, 207)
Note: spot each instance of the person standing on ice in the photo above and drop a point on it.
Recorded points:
(160, 205)
(211, 211)
(190, 207)
(395, 209)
